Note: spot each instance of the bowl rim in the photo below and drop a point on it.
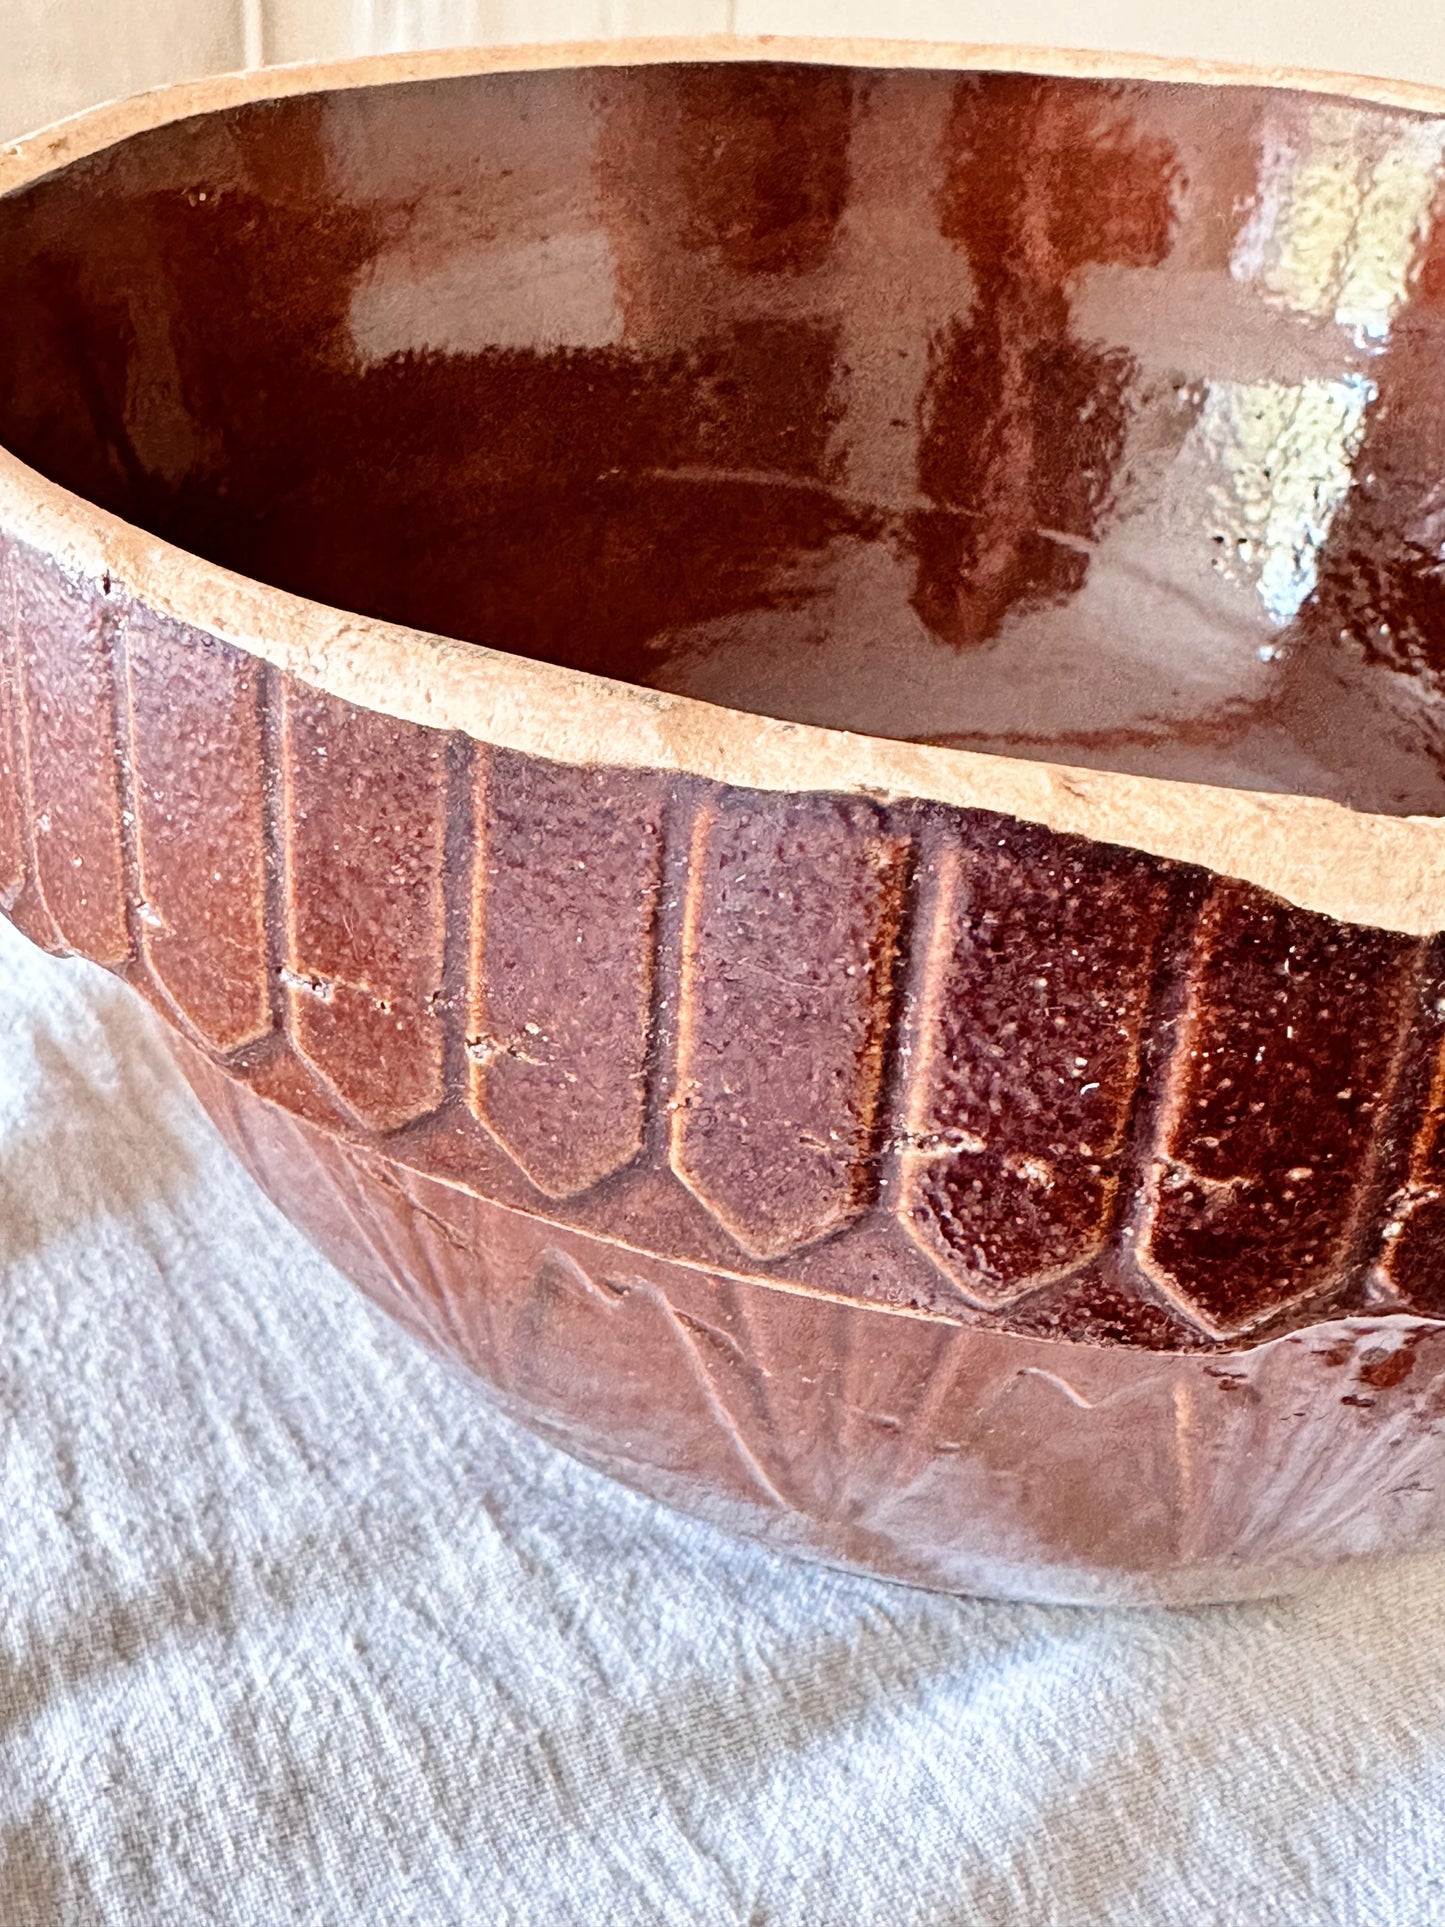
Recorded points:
(1352, 865)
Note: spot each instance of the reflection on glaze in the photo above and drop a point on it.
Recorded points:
(555, 292)
(1099, 421)
(1338, 220)
(1287, 451)
(1340, 212)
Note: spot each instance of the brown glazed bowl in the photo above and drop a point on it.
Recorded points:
(769, 717)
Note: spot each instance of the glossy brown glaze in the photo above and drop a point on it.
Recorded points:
(699, 376)
(1091, 420)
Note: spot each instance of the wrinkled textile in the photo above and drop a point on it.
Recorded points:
(295, 1630)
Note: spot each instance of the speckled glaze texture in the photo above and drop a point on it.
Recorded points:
(921, 1187)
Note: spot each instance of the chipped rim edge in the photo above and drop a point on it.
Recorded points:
(1358, 867)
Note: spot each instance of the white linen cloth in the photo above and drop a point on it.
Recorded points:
(293, 1629)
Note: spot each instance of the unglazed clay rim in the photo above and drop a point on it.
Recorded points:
(1388, 871)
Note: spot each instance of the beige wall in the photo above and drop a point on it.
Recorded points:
(60, 55)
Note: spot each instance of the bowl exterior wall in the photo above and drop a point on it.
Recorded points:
(917, 1056)
(917, 1188)
(939, 1454)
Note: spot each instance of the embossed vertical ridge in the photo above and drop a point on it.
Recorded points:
(67, 710)
(1029, 1028)
(275, 922)
(195, 749)
(1408, 1254)
(1282, 1071)
(464, 758)
(12, 813)
(566, 878)
(271, 1067)
(27, 907)
(363, 806)
(1404, 1097)
(127, 782)
(787, 989)
(682, 801)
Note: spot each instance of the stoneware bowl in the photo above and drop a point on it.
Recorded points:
(769, 718)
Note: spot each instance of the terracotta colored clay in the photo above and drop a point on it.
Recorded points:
(770, 719)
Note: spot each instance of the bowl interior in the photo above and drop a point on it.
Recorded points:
(1087, 420)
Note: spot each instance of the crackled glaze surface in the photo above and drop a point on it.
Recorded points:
(1095, 416)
